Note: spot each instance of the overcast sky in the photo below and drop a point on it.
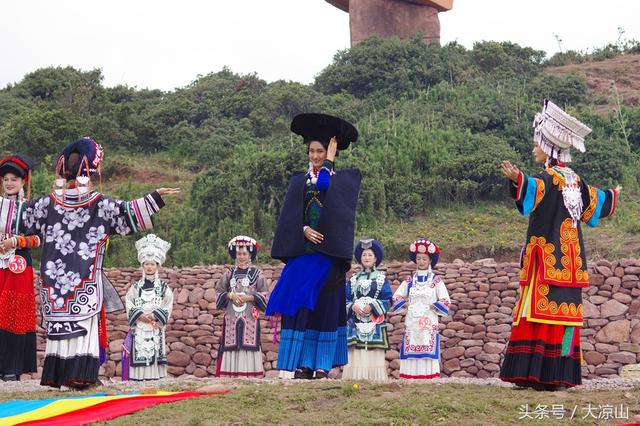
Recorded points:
(166, 44)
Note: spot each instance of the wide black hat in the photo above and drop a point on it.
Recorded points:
(322, 127)
(18, 164)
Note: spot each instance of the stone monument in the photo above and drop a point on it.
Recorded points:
(388, 18)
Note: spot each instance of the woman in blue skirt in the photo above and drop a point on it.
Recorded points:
(314, 237)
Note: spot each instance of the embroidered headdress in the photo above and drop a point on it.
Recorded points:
(21, 166)
(151, 247)
(78, 161)
(242, 242)
(556, 132)
(424, 246)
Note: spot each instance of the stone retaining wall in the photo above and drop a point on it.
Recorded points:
(474, 336)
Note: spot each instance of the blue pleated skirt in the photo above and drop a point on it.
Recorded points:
(299, 284)
(315, 334)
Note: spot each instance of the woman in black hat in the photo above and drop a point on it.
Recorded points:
(314, 237)
(17, 301)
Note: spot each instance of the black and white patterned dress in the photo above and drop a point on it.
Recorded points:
(74, 229)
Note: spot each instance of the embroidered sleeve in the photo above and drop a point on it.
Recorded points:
(381, 304)
(23, 217)
(442, 304)
(349, 290)
(222, 290)
(129, 217)
(262, 290)
(324, 175)
(401, 295)
(528, 192)
(163, 313)
(133, 313)
(597, 203)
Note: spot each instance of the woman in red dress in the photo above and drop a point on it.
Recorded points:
(17, 299)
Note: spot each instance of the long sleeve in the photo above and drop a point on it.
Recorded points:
(597, 203)
(133, 313)
(400, 297)
(222, 290)
(163, 313)
(324, 176)
(262, 291)
(441, 306)
(381, 305)
(129, 217)
(23, 217)
(528, 192)
(349, 296)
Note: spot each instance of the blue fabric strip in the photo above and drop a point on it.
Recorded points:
(299, 284)
(593, 222)
(439, 306)
(19, 406)
(529, 197)
(398, 305)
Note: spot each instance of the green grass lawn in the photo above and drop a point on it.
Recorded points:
(335, 402)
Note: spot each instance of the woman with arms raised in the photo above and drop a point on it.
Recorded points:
(544, 349)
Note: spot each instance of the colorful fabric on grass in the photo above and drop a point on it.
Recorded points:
(86, 410)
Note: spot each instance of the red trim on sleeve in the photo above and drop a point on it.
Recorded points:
(614, 201)
(519, 186)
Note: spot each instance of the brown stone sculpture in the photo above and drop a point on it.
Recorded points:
(388, 18)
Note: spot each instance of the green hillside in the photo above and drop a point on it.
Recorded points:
(434, 123)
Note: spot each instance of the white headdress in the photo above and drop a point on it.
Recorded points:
(152, 247)
(556, 132)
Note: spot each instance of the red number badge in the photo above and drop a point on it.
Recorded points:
(17, 264)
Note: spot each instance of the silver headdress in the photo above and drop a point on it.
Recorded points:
(152, 247)
(556, 132)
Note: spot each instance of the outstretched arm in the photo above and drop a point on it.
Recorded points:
(527, 191)
(598, 203)
(129, 217)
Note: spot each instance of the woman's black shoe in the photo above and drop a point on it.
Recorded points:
(303, 373)
(322, 374)
(10, 378)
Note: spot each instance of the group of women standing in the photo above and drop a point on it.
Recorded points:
(326, 320)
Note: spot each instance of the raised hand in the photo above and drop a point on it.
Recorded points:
(333, 148)
(510, 171)
(168, 191)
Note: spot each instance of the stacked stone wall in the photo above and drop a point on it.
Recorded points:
(474, 335)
